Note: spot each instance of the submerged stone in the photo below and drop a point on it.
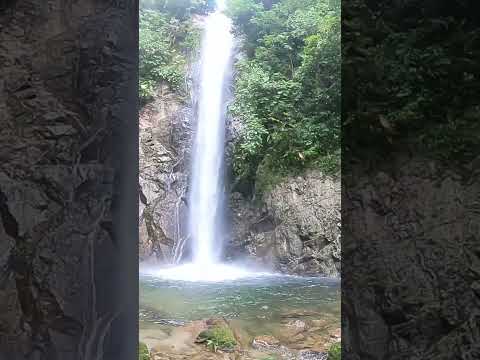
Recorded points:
(312, 355)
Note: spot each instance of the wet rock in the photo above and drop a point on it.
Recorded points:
(170, 322)
(298, 325)
(163, 164)
(292, 331)
(188, 342)
(266, 342)
(312, 355)
(312, 341)
(295, 229)
(241, 335)
(295, 339)
(318, 324)
(181, 340)
(336, 334)
(199, 355)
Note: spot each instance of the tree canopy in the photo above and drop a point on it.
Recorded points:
(167, 37)
(287, 90)
(411, 79)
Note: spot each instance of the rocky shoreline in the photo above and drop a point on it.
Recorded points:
(302, 336)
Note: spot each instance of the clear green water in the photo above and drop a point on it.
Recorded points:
(258, 304)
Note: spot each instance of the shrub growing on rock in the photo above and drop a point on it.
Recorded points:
(335, 352)
(217, 338)
(143, 353)
(287, 89)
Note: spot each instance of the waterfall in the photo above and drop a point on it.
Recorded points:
(205, 210)
(205, 206)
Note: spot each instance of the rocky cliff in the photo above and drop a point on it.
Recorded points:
(294, 229)
(163, 161)
(68, 131)
(420, 272)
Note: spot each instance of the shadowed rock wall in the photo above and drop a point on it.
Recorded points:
(411, 261)
(68, 179)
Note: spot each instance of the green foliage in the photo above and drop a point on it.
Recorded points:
(180, 9)
(143, 353)
(218, 338)
(287, 91)
(165, 42)
(241, 12)
(413, 88)
(268, 174)
(335, 351)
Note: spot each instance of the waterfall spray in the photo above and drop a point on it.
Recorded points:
(205, 212)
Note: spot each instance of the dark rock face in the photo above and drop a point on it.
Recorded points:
(419, 291)
(296, 228)
(164, 167)
(68, 128)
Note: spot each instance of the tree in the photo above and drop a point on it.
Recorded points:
(287, 91)
(165, 42)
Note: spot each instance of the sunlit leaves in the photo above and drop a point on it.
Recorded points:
(164, 44)
(288, 89)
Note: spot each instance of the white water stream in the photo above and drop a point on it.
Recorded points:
(205, 197)
(205, 210)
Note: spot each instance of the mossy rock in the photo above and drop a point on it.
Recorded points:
(143, 353)
(335, 351)
(218, 338)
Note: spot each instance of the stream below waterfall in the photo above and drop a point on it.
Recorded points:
(255, 306)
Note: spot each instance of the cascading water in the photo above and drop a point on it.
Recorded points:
(205, 210)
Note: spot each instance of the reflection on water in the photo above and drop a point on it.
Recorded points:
(258, 304)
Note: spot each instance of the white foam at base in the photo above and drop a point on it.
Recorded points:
(203, 273)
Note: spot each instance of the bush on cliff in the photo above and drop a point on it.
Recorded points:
(287, 90)
(166, 40)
